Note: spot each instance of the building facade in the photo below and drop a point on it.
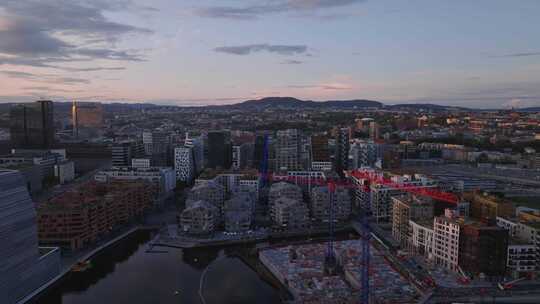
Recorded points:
(32, 125)
(320, 202)
(24, 266)
(219, 150)
(288, 148)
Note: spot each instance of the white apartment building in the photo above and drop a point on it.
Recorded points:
(521, 257)
(377, 196)
(287, 146)
(64, 171)
(140, 163)
(524, 233)
(164, 177)
(446, 242)
(421, 238)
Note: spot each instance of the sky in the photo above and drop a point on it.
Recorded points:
(482, 53)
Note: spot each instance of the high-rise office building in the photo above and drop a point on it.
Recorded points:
(197, 144)
(341, 156)
(288, 150)
(219, 149)
(184, 164)
(124, 152)
(32, 125)
(320, 153)
(24, 266)
(87, 118)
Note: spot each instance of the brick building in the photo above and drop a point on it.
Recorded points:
(90, 211)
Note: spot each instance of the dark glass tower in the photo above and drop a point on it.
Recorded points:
(219, 149)
(31, 125)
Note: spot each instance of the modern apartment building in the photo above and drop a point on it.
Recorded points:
(320, 203)
(288, 148)
(320, 153)
(342, 147)
(162, 178)
(282, 190)
(290, 214)
(90, 211)
(378, 198)
(446, 235)
(210, 192)
(199, 217)
(483, 249)
(407, 208)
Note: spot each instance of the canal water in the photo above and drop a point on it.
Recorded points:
(126, 273)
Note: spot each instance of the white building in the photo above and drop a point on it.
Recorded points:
(64, 171)
(197, 144)
(522, 233)
(363, 154)
(184, 164)
(163, 177)
(288, 148)
(378, 197)
(140, 163)
(421, 238)
(521, 258)
(446, 242)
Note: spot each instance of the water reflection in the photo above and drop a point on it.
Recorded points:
(126, 273)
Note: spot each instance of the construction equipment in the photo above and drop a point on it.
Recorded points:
(368, 178)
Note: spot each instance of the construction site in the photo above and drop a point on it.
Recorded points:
(302, 269)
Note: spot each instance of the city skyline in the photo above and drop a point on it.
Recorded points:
(222, 52)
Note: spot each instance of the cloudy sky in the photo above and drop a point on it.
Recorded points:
(482, 53)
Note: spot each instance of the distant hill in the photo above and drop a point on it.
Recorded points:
(424, 107)
(294, 103)
(531, 109)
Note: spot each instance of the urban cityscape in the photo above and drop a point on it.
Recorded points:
(317, 198)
